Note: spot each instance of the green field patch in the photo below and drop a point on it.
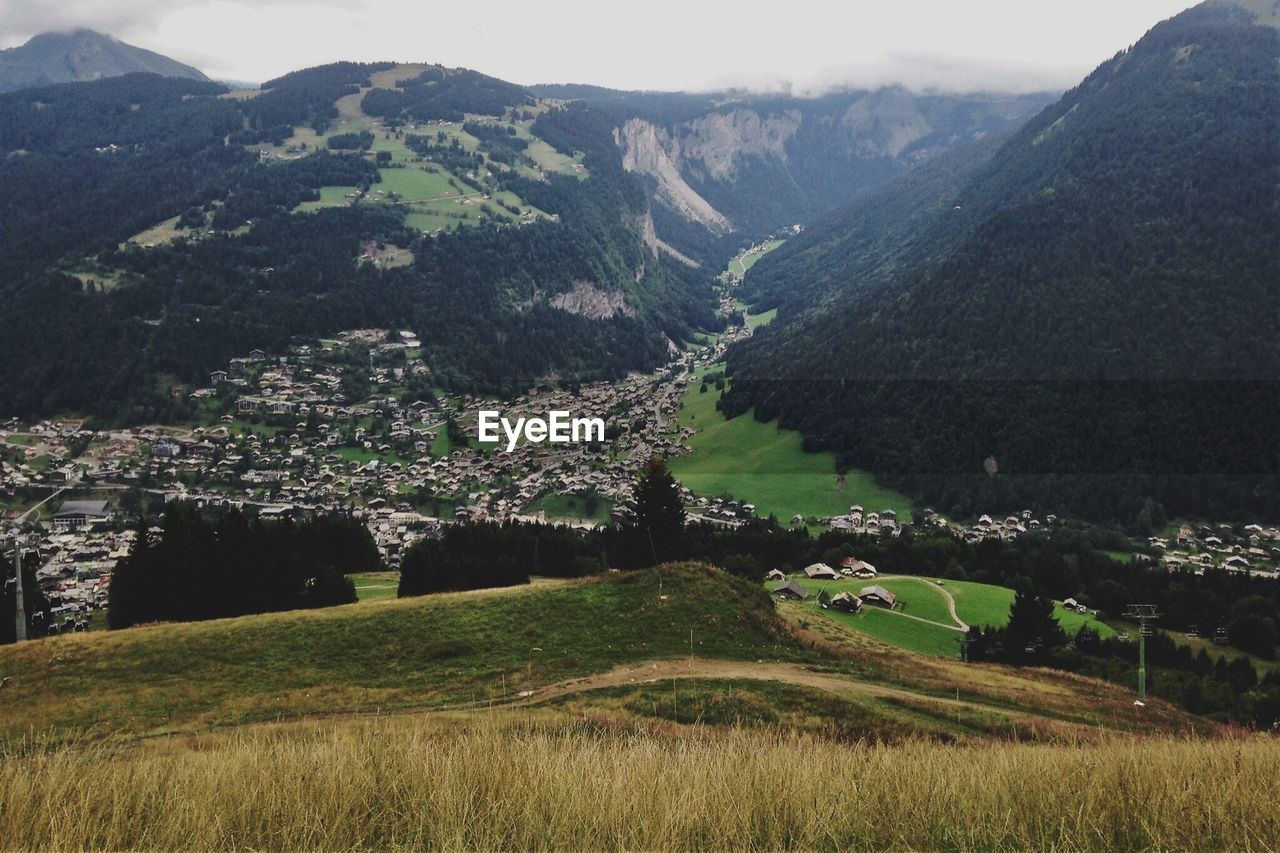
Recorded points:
(374, 586)
(329, 197)
(896, 630)
(413, 184)
(577, 507)
(755, 321)
(977, 605)
(761, 464)
(739, 265)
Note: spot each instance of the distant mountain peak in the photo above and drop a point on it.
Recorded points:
(81, 54)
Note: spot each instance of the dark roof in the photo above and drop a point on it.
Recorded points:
(792, 587)
(98, 508)
(879, 592)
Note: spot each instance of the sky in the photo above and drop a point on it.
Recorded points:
(803, 46)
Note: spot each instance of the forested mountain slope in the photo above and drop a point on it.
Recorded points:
(1097, 300)
(151, 228)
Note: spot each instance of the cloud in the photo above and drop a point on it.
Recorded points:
(124, 19)
(942, 73)
(799, 47)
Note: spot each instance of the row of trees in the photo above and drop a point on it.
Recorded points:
(232, 565)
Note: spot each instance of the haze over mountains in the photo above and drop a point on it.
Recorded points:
(80, 55)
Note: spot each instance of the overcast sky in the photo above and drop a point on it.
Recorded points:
(956, 45)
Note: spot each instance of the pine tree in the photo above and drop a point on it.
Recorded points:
(659, 509)
(1031, 626)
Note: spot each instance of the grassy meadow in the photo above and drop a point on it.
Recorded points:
(922, 622)
(762, 464)
(375, 586)
(739, 265)
(571, 507)
(673, 707)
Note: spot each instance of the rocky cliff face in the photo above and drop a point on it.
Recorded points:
(757, 163)
(587, 300)
(650, 149)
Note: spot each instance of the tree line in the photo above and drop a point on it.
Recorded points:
(230, 565)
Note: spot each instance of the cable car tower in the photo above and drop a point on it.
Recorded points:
(1145, 614)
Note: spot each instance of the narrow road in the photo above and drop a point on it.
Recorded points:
(951, 601)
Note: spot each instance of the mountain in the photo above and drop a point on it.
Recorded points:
(749, 164)
(81, 55)
(164, 227)
(1085, 322)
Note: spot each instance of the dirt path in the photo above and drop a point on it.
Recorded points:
(951, 601)
(660, 670)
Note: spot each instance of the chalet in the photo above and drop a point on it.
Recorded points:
(218, 377)
(790, 589)
(775, 575)
(257, 355)
(246, 405)
(878, 596)
(66, 474)
(821, 571)
(857, 568)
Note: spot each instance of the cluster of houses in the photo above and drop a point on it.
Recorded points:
(292, 445)
(858, 520)
(784, 587)
(986, 527)
(1253, 549)
(75, 565)
(281, 438)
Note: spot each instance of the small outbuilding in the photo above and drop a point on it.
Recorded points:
(846, 601)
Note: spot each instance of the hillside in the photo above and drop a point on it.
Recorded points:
(1101, 283)
(166, 225)
(750, 164)
(591, 643)
(80, 55)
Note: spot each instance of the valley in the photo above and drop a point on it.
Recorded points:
(396, 456)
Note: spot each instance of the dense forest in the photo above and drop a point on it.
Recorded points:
(444, 93)
(123, 332)
(1084, 323)
(202, 568)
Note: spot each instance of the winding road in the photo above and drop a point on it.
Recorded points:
(960, 625)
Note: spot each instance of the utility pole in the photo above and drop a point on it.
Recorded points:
(1144, 613)
(19, 600)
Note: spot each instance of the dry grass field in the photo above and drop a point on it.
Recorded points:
(668, 708)
(525, 781)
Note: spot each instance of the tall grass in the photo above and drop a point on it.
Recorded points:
(532, 783)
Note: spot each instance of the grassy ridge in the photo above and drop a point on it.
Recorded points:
(433, 651)
(530, 783)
